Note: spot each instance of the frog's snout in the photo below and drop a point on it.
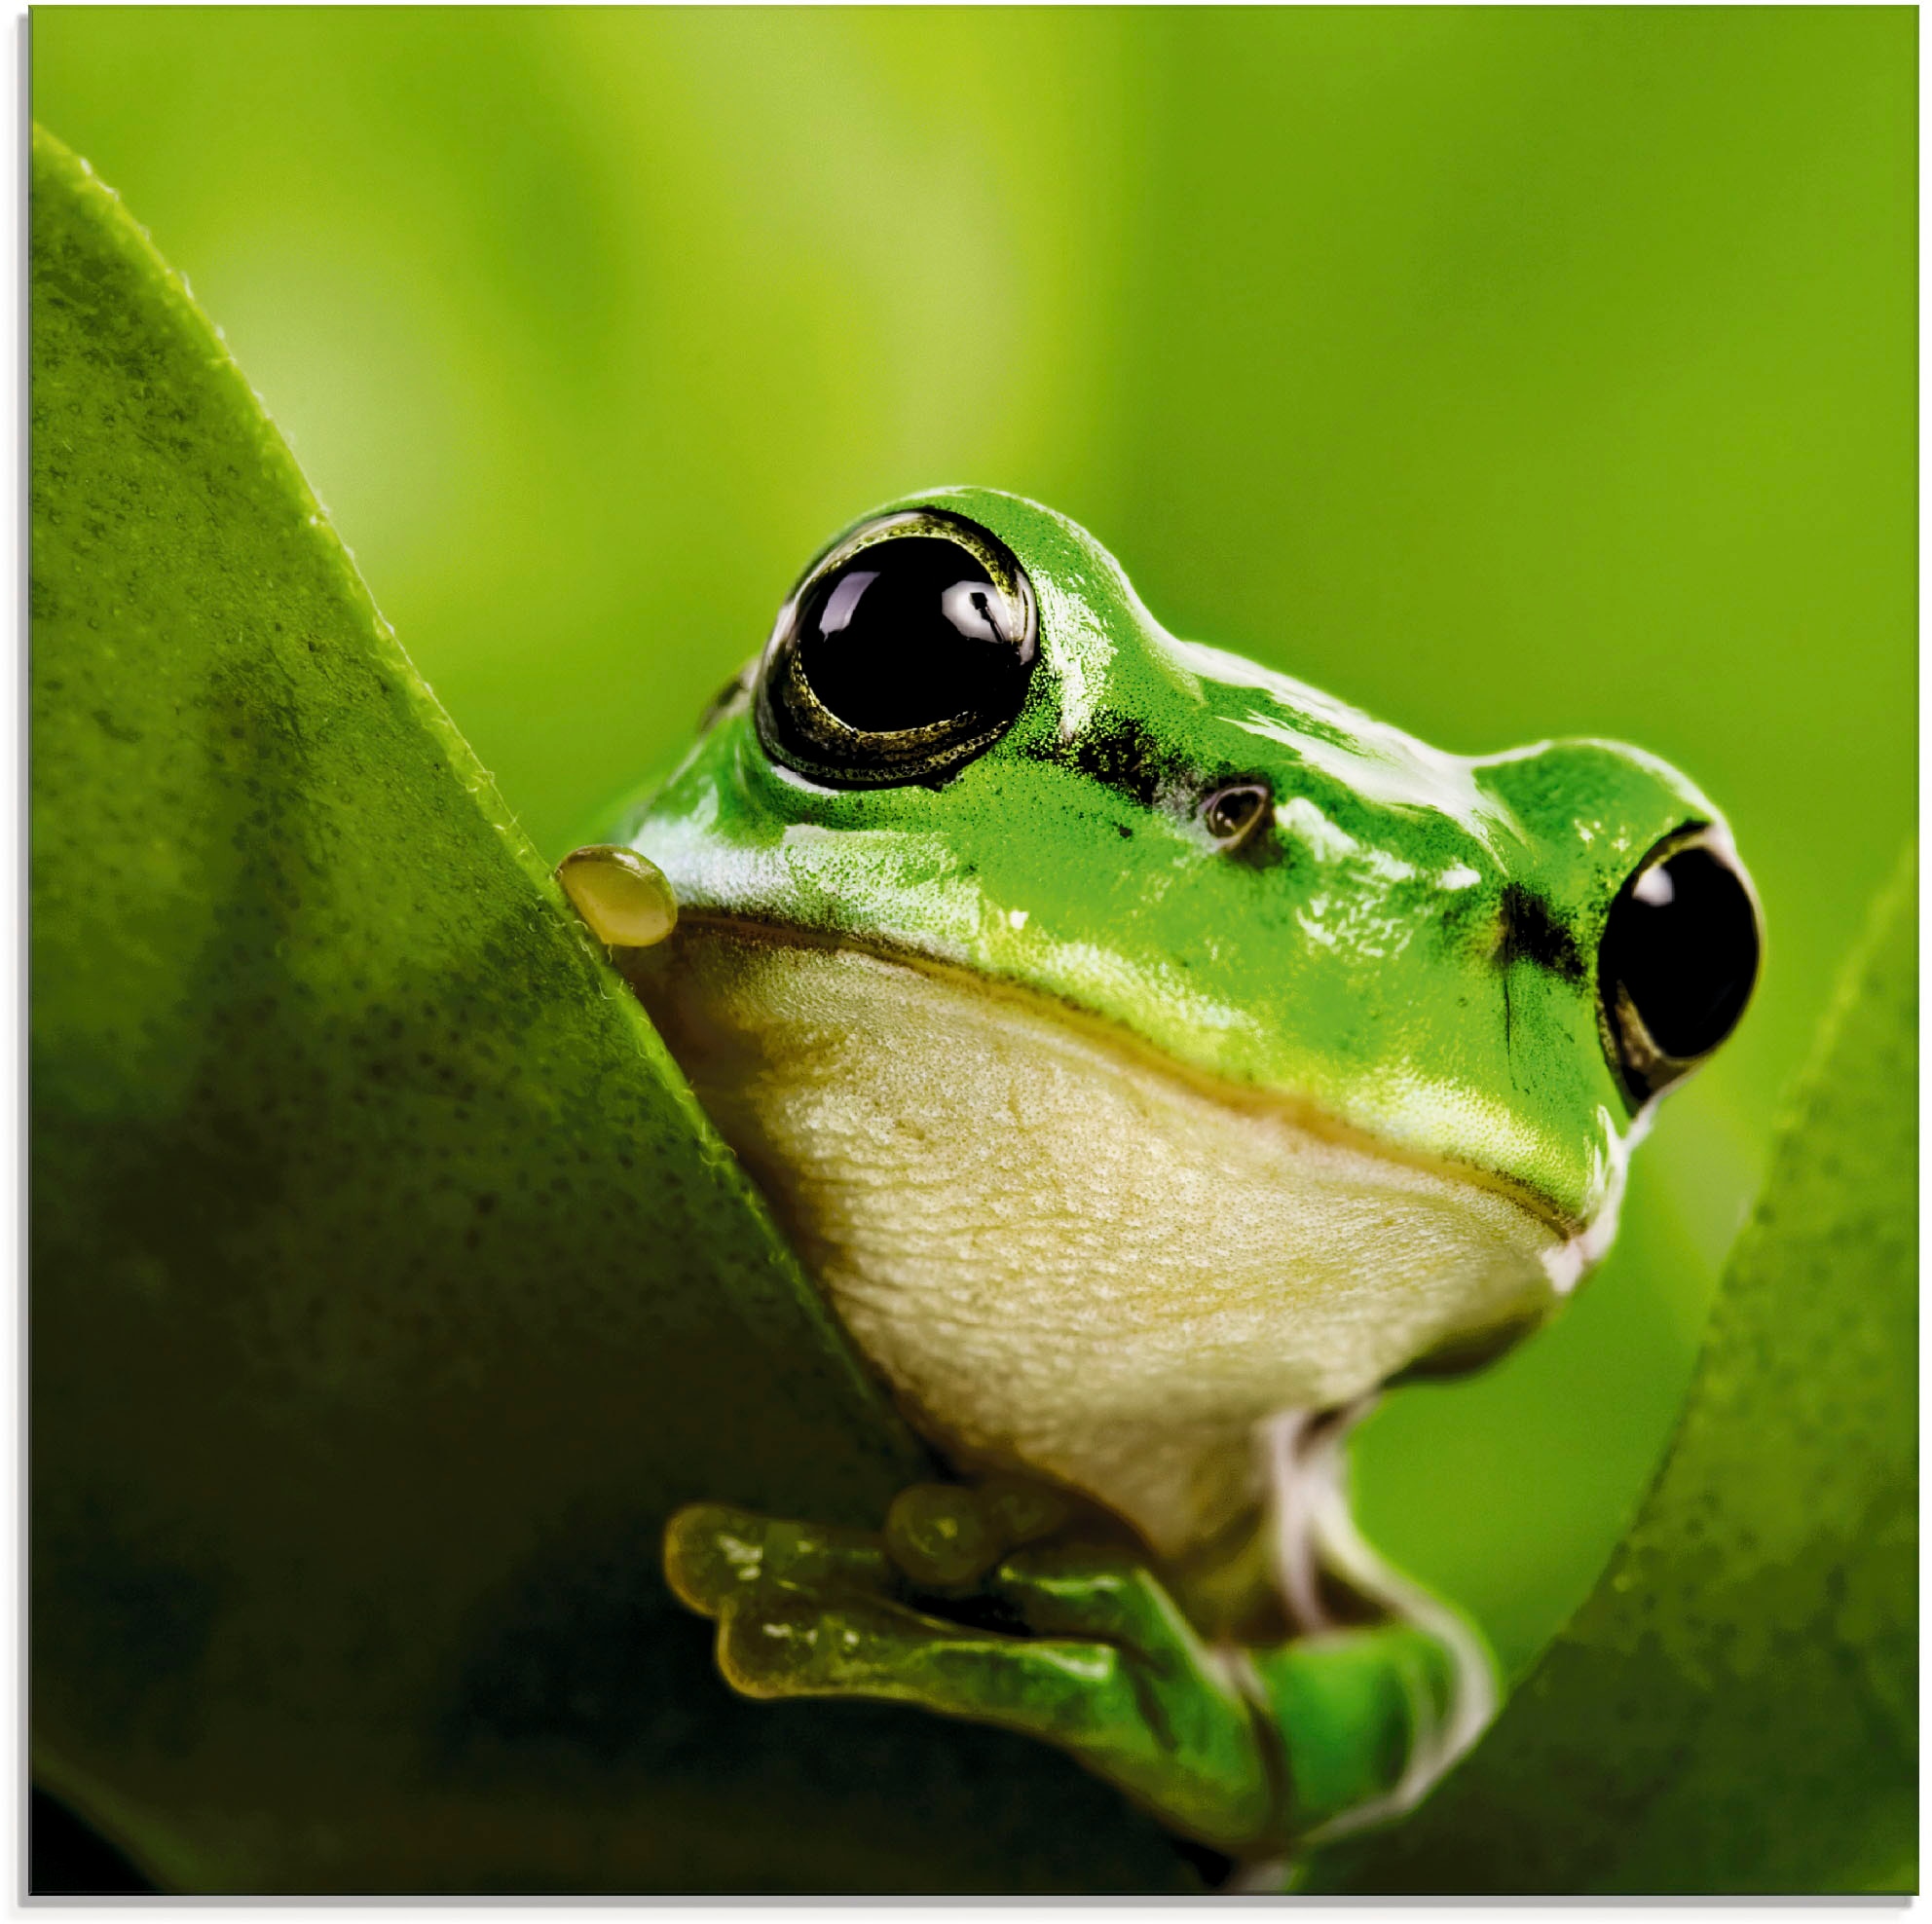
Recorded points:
(1678, 960)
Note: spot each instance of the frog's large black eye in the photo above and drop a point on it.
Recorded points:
(904, 653)
(1678, 960)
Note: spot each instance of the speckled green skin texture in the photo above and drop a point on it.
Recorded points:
(1410, 946)
(1736, 1707)
(389, 1288)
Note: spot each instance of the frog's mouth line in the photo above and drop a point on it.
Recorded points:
(1577, 1236)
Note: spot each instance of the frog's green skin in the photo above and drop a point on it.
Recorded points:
(1107, 1142)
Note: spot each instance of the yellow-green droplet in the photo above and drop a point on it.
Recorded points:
(625, 899)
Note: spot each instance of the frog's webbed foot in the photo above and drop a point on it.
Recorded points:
(1087, 1650)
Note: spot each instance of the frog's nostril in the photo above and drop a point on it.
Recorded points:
(1233, 813)
(1678, 960)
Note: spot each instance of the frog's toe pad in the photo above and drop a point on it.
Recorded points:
(713, 1553)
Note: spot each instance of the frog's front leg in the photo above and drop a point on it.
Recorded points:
(1100, 1662)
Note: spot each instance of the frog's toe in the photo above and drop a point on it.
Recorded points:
(945, 1535)
(716, 1556)
(1076, 1590)
(867, 1647)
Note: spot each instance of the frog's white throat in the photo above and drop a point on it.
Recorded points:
(1064, 1254)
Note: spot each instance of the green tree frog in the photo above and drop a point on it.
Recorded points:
(1151, 1057)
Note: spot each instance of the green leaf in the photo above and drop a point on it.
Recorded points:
(389, 1285)
(1735, 1708)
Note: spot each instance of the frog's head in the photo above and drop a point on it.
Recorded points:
(1137, 1041)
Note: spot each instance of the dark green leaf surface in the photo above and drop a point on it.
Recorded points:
(388, 1286)
(1735, 1708)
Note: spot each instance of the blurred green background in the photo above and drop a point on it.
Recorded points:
(1512, 373)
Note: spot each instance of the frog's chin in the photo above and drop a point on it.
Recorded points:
(1068, 1255)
